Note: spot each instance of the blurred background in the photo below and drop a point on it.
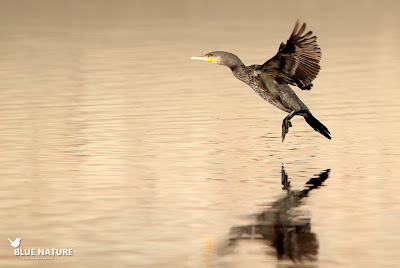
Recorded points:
(115, 144)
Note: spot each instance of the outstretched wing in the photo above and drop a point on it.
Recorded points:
(297, 61)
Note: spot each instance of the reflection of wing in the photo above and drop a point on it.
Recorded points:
(297, 61)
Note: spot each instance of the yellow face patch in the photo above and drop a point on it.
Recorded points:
(209, 58)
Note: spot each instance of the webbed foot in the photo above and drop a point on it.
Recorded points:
(286, 124)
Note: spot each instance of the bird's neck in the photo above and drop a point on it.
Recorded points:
(237, 66)
(240, 71)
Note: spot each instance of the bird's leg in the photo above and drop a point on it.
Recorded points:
(286, 124)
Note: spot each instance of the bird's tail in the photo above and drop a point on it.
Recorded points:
(9, 240)
(316, 125)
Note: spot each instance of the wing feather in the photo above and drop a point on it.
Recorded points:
(298, 61)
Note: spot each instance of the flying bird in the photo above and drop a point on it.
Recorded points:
(297, 63)
(15, 243)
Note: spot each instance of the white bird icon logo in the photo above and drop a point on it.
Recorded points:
(15, 243)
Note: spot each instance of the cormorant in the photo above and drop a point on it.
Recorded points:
(296, 63)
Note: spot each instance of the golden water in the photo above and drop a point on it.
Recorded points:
(115, 144)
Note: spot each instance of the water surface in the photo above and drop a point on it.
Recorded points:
(117, 145)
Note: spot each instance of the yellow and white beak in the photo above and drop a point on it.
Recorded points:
(206, 58)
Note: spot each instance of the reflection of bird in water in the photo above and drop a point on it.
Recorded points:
(285, 229)
(296, 63)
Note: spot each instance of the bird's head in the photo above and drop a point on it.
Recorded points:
(221, 57)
